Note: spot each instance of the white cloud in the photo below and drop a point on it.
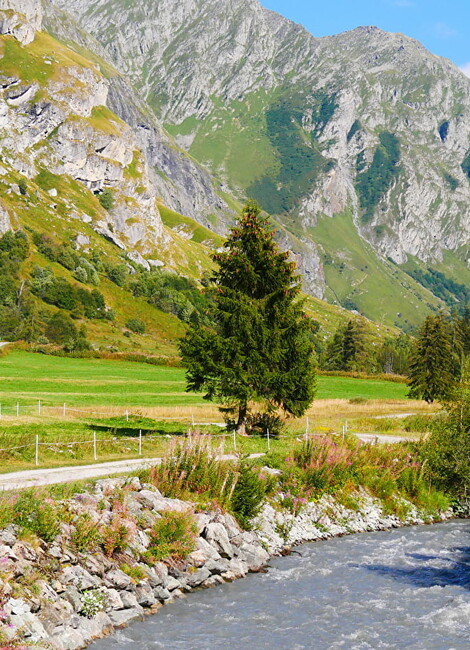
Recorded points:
(466, 69)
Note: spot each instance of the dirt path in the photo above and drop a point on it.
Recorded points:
(381, 439)
(40, 477)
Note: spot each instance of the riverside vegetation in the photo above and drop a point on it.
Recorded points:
(77, 561)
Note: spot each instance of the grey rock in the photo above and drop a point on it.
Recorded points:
(8, 535)
(31, 626)
(145, 596)
(196, 578)
(217, 536)
(254, 555)
(126, 616)
(73, 596)
(173, 583)
(209, 552)
(218, 566)
(18, 606)
(78, 577)
(128, 599)
(113, 599)
(161, 594)
(119, 579)
(214, 581)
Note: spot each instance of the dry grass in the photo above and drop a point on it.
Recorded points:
(326, 411)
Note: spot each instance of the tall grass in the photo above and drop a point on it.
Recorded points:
(191, 468)
(325, 465)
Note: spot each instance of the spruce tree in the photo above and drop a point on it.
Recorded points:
(433, 361)
(259, 346)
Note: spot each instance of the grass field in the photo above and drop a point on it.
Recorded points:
(26, 378)
(98, 392)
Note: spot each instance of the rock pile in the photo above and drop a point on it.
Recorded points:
(79, 596)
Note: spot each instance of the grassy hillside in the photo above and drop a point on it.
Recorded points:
(357, 279)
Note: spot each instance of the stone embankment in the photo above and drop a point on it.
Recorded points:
(57, 597)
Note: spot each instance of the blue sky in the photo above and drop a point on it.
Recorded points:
(442, 26)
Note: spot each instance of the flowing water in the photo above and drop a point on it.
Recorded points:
(405, 588)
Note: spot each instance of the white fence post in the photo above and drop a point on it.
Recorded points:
(235, 440)
(127, 416)
(37, 451)
(140, 442)
(269, 441)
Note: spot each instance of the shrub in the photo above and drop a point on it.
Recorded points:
(23, 185)
(173, 536)
(37, 515)
(261, 423)
(135, 572)
(116, 536)
(86, 535)
(61, 329)
(80, 274)
(447, 450)
(106, 198)
(247, 496)
(136, 325)
(93, 601)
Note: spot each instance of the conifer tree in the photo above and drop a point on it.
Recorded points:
(348, 349)
(433, 361)
(259, 346)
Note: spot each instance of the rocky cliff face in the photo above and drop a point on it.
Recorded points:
(364, 121)
(21, 19)
(60, 113)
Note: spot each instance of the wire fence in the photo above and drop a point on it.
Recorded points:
(41, 408)
(235, 438)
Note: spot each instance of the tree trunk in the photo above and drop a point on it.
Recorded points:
(241, 422)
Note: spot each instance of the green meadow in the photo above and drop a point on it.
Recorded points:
(26, 378)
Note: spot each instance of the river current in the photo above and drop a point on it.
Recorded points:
(404, 588)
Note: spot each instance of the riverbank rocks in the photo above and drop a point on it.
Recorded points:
(56, 595)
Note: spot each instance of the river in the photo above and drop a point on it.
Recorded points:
(404, 588)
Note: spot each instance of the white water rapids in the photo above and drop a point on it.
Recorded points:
(404, 588)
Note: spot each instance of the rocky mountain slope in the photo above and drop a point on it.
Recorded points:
(105, 199)
(358, 143)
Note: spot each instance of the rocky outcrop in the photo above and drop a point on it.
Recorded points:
(57, 595)
(21, 19)
(179, 182)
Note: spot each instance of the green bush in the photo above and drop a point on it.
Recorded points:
(447, 450)
(248, 495)
(261, 423)
(23, 185)
(106, 198)
(37, 516)
(136, 325)
(173, 536)
(86, 535)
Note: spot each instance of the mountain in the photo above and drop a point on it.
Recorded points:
(108, 210)
(358, 144)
